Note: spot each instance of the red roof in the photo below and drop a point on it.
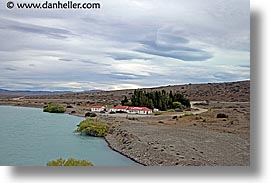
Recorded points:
(121, 107)
(139, 108)
(98, 107)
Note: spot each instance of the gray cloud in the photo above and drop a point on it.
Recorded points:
(65, 59)
(126, 44)
(127, 56)
(178, 52)
(172, 46)
(10, 69)
(12, 25)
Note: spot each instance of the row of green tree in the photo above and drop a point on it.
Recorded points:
(157, 99)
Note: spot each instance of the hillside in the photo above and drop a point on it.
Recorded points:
(81, 101)
(229, 92)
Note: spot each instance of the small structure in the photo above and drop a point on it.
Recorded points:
(155, 110)
(139, 110)
(97, 108)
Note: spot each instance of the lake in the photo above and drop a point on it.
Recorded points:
(30, 137)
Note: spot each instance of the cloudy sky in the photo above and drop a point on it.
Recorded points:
(125, 44)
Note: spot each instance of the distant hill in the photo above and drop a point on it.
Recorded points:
(30, 93)
(229, 91)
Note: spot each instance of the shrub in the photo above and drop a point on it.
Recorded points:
(69, 162)
(132, 118)
(174, 117)
(90, 114)
(54, 108)
(221, 115)
(177, 105)
(93, 127)
(178, 110)
(186, 115)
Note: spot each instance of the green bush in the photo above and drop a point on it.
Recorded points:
(177, 105)
(93, 127)
(54, 108)
(69, 162)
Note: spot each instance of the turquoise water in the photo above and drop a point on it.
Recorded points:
(30, 137)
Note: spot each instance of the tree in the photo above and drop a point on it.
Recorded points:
(125, 101)
(150, 104)
(158, 99)
(69, 162)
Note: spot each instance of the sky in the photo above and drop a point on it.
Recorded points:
(124, 44)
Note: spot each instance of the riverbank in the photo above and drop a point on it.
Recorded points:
(75, 110)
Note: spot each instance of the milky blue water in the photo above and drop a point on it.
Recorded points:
(31, 137)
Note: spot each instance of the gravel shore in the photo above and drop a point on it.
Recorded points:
(173, 145)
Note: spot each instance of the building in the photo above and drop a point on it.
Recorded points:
(97, 108)
(131, 110)
(155, 110)
(119, 108)
(139, 110)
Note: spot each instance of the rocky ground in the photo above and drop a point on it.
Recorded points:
(198, 140)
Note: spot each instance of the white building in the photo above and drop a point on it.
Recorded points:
(97, 108)
(132, 110)
(155, 110)
(139, 110)
(119, 108)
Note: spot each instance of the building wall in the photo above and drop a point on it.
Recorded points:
(139, 112)
(97, 109)
(115, 110)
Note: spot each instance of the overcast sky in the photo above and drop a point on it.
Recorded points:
(125, 44)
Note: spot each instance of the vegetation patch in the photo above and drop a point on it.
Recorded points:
(54, 108)
(157, 99)
(90, 114)
(69, 162)
(186, 115)
(92, 127)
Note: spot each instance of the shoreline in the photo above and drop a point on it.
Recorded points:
(39, 107)
(123, 154)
